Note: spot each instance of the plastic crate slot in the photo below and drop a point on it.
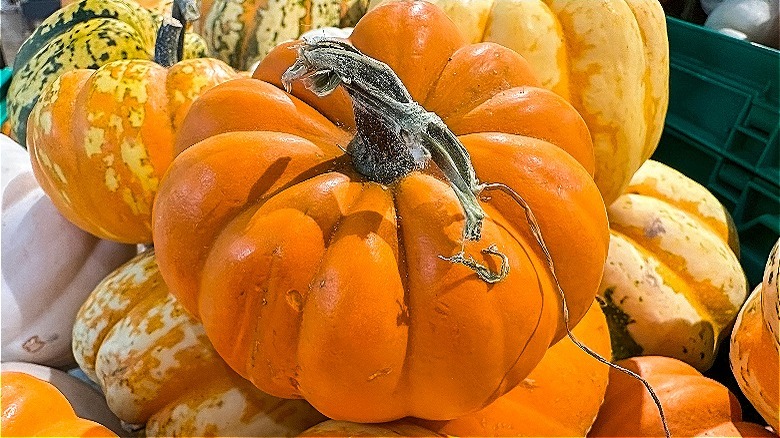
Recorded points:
(747, 147)
(704, 108)
(731, 180)
(763, 118)
(756, 240)
(761, 201)
(769, 163)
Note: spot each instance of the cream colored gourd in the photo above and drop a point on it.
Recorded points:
(755, 344)
(49, 266)
(672, 284)
(608, 58)
(156, 366)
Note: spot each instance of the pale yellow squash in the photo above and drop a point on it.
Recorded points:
(608, 58)
(672, 283)
(156, 366)
(755, 344)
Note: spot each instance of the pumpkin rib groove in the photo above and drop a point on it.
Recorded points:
(501, 388)
(406, 317)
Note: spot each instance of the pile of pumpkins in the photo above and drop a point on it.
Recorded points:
(407, 228)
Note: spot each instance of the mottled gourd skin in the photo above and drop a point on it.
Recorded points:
(672, 283)
(242, 32)
(158, 369)
(608, 58)
(86, 34)
(755, 344)
(316, 282)
(100, 140)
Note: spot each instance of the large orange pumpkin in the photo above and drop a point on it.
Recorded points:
(33, 407)
(693, 404)
(365, 283)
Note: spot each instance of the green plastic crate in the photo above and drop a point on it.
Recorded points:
(722, 130)
(5, 81)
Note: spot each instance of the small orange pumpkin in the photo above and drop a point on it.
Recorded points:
(32, 407)
(100, 140)
(359, 282)
(693, 404)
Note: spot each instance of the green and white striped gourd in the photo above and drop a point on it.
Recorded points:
(242, 32)
(85, 34)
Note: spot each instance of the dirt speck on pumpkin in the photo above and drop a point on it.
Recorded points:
(382, 372)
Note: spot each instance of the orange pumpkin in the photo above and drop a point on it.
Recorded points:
(365, 283)
(693, 404)
(32, 407)
(100, 140)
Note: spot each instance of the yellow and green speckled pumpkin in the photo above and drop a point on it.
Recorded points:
(100, 140)
(755, 344)
(242, 32)
(85, 34)
(157, 367)
(672, 282)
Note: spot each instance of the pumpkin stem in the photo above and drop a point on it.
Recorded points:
(537, 232)
(166, 48)
(395, 135)
(186, 11)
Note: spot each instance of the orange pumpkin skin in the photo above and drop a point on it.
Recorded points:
(32, 407)
(694, 405)
(333, 428)
(100, 140)
(310, 284)
(544, 403)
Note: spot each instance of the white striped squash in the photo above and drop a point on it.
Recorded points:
(672, 283)
(156, 366)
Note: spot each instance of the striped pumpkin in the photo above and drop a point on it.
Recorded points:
(672, 282)
(755, 344)
(85, 34)
(608, 58)
(100, 140)
(242, 32)
(157, 368)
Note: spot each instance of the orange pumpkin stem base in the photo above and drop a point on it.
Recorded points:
(395, 134)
